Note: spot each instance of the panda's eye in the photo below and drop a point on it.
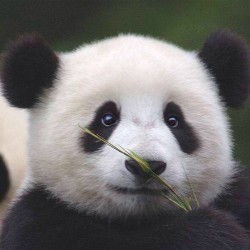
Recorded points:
(172, 121)
(109, 119)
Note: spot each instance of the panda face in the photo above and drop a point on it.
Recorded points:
(144, 95)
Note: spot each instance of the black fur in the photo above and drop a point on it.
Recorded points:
(237, 199)
(184, 133)
(88, 142)
(29, 66)
(227, 58)
(38, 221)
(4, 179)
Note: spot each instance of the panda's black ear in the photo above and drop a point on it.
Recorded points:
(226, 56)
(28, 67)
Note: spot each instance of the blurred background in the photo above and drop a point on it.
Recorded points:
(67, 24)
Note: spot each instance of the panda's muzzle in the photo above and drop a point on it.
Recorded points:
(137, 191)
(158, 167)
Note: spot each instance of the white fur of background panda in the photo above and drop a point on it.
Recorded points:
(141, 75)
(13, 138)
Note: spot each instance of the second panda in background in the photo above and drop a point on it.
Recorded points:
(13, 139)
(149, 96)
(4, 179)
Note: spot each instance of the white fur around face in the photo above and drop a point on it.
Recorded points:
(141, 75)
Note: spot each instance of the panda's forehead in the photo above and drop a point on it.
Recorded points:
(160, 84)
(133, 70)
(132, 63)
(136, 96)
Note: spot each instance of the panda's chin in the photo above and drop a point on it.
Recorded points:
(137, 191)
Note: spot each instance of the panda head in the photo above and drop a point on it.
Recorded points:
(146, 95)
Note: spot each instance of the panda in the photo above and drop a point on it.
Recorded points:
(13, 137)
(4, 179)
(146, 95)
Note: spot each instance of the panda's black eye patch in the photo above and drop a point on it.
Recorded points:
(183, 132)
(106, 119)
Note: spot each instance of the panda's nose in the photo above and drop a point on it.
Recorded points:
(157, 167)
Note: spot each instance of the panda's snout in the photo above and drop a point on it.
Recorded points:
(157, 167)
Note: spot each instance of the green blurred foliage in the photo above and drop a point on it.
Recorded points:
(69, 23)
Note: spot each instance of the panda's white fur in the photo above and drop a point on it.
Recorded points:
(13, 139)
(141, 75)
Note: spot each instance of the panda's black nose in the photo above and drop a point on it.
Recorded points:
(157, 167)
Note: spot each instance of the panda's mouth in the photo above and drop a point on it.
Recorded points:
(137, 191)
